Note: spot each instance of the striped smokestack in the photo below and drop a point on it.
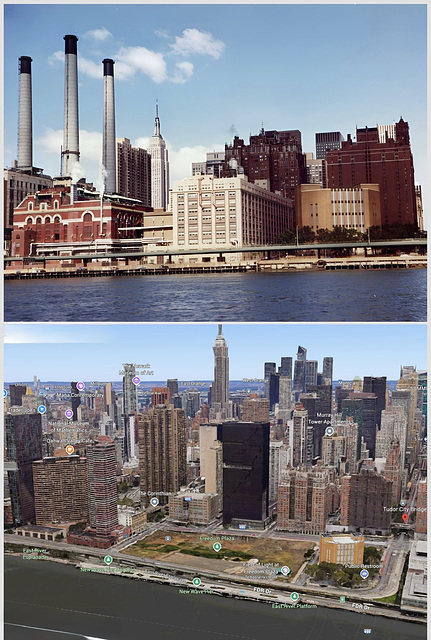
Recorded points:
(70, 151)
(25, 127)
(109, 151)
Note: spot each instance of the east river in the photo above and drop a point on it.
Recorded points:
(46, 600)
(313, 296)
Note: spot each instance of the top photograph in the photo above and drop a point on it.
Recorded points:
(209, 163)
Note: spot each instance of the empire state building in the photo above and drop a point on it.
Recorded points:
(220, 387)
(159, 167)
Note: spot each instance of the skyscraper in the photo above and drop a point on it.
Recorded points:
(162, 452)
(23, 447)
(172, 385)
(378, 387)
(299, 372)
(245, 472)
(102, 486)
(220, 387)
(75, 399)
(133, 172)
(130, 390)
(159, 167)
(301, 435)
(310, 373)
(61, 489)
(328, 365)
(393, 471)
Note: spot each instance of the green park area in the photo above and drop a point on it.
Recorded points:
(344, 576)
(238, 549)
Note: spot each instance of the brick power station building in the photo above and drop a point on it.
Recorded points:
(380, 155)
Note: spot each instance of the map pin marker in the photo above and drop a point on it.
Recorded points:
(405, 517)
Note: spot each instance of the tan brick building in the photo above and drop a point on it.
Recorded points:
(356, 208)
(341, 549)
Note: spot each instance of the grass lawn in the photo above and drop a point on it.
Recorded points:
(242, 549)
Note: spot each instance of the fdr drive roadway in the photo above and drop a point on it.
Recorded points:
(54, 253)
(269, 591)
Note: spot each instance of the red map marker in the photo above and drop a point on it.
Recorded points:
(405, 517)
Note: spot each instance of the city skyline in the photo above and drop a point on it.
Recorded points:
(186, 52)
(184, 351)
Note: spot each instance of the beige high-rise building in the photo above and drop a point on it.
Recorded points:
(357, 208)
(393, 471)
(304, 499)
(211, 460)
(334, 451)
(393, 427)
(213, 212)
(162, 453)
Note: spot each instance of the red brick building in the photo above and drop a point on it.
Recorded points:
(274, 156)
(388, 164)
(52, 217)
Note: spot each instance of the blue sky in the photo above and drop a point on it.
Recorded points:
(219, 70)
(95, 352)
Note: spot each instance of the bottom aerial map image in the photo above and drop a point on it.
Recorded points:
(235, 481)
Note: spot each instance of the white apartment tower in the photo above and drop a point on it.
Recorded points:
(159, 167)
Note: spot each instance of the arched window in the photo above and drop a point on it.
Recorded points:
(88, 225)
(29, 221)
(56, 204)
(30, 205)
(42, 206)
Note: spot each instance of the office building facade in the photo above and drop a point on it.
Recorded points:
(61, 489)
(162, 453)
(245, 473)
(133, 172)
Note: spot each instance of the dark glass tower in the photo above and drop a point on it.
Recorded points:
(245, 471)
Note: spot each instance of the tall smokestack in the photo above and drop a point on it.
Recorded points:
(25, 127)
(109, 152)
(70, 152)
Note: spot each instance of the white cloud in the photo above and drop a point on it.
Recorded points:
(98, 34)
(90, 68)
(55, 58)
(142, 143)
(180, 162)
(198, 42)
(90, 143)
(129, 60)
(162, 33)
(183, 72)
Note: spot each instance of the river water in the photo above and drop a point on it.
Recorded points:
(53, 597)
(312, 296)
